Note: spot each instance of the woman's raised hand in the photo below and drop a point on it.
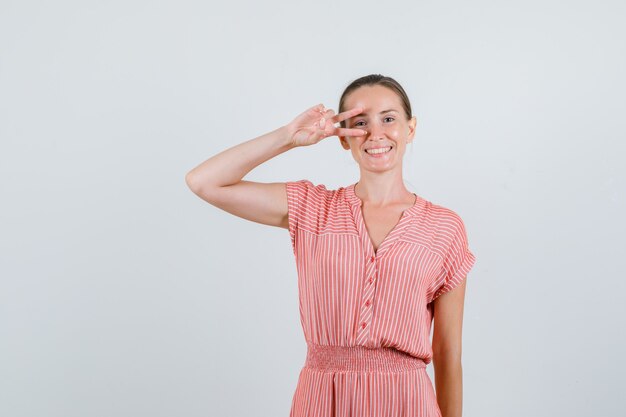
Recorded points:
(318, 123)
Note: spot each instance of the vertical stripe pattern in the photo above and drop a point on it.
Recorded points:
(366, 314)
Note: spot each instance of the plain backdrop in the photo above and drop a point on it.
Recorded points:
(124, 294)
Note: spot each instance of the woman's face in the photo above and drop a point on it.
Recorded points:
(385, 121)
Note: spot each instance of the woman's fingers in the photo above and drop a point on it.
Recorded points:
(327, 116)
(318, 109)
(324, 126)
(325, 130)
(346, 114)
(350, 132)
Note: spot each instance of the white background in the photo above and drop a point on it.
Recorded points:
(123, 294)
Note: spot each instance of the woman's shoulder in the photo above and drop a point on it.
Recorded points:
(441, 215)
(308, 186)
(313, 192)
(315, 187)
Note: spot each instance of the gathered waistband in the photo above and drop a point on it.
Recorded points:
(360, 359)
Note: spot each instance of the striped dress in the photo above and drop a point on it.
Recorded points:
(366, 314)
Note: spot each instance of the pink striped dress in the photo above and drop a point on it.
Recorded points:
(367, 314)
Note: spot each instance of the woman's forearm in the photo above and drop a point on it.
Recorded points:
(231, 165)
(449, 385)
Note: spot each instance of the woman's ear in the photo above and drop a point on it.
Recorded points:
(412, 124)
(344, 143)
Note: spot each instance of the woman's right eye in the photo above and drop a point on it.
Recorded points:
(359, 123)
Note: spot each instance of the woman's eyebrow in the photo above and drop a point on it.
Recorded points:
(382, 112)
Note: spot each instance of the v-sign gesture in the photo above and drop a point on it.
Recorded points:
(318, 123)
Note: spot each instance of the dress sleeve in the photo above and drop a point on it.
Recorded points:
(300, 196)
(458, 259)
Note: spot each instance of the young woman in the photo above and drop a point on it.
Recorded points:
(376, 263)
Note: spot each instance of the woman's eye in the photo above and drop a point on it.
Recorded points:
(359, 123)
(386, 118)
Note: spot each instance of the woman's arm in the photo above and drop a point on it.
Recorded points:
(218, 180)
(447, 333)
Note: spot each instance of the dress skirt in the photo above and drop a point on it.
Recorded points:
(339, 381)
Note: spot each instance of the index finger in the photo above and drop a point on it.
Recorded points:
(346, 114)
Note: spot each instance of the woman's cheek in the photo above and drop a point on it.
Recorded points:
(394, 132)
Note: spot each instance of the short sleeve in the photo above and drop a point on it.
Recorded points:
(302, 199)
(458, 259)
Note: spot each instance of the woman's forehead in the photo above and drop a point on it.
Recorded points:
(371, 99)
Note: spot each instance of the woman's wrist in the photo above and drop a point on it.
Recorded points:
(286, 136)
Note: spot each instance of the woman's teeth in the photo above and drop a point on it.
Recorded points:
(379, 150)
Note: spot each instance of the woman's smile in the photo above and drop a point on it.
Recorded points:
(379, 152)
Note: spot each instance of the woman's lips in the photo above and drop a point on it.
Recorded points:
(378, 152)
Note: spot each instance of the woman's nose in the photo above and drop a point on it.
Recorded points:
(374, 132)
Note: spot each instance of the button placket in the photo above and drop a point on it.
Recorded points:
(372, 256)
(367, 297)
(371, 278)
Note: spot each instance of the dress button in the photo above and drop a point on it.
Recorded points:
(372, 259)
(371, 280)
(363, 325)
(367, 303)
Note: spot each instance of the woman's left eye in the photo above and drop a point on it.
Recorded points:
(389, 117)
